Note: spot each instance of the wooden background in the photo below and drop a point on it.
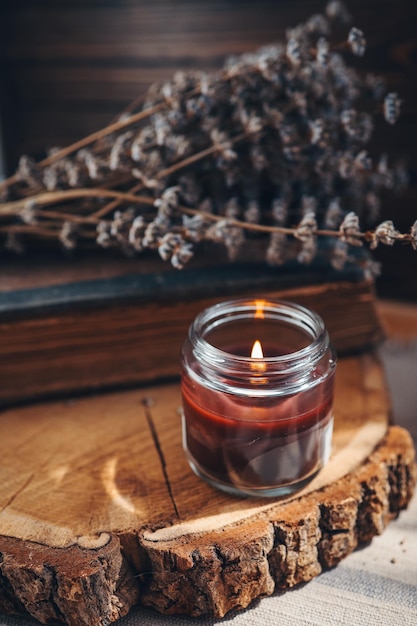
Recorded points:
(67, 67)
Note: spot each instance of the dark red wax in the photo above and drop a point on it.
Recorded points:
(256, 443)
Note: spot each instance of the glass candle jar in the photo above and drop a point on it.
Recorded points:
(257, 393)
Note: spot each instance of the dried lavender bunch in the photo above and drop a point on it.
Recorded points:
(274, 144)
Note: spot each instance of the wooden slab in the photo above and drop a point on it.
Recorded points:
(99, 509)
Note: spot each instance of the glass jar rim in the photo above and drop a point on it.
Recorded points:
(282, 311)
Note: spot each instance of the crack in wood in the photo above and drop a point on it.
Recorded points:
(18, 492)
(26, 483)
(147, 403)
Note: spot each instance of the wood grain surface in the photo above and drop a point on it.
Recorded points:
(96, 493)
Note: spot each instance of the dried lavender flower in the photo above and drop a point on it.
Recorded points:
(251, 124)
(339, 255)
(68, 235)
(279, 210)
(346, 166)
(176, 147)
(162, 129)
(317, 24)
(308, 251)
(363, 161)
(392, 107)
(294, 51)
(373, 204)
(371, 269)
(401, 177)
(74, 173)
(119, 154)
(104, 238)
(181, 256)
(308, 205)
(154, 232)
(333, 214)
(195, 227)
(350, 231)
(153, 164)
(306, 229)
(273, 117)
(357, 125)
(28, 171)
(322, 51)
(168, 203)
(227, 233)
(232, 209)
(276, 253)
(413, 235)
(142, 143)
(50, 178)
(28, 214)
(357, 41)
(137, 232)
(168, 244)
(316, 130)
(223, 146)
(337, 10)
(252, 213)
(120, 225)
(383, 165)
(91, 164)
(384, 233)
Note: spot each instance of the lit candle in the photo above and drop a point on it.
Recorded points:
(258, 364)
(257, 389)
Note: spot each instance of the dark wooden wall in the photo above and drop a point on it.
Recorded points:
(69, 66)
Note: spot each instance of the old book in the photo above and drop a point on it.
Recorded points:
(88, 324)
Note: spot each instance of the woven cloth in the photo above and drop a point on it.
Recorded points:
(374, 586)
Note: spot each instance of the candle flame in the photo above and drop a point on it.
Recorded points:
(257, 353)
